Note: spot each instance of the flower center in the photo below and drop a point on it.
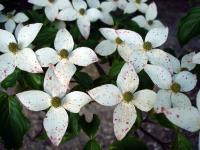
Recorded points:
(51, 1)
(128, 96)
(56, 102)
(150, 22)
(13, 47)
(118, 41)
(64, 53)
(147, 46)
(9, 15)
(82, 11)
(138, 1)
(175, 87)
(100, 9)
(184, 69)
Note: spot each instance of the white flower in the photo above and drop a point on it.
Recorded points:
(55, 98)
(125, 96)
(80, 13)
(1, 7)
(65, 57)
(11, 19)
(148, 22)
(196, 58)
(121, 4)
(105, 8)
(15, 52)
(185, 64)
(134, 5)
(171, 87)
(52, 7)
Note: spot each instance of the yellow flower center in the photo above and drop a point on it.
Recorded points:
(13, 47)
(138, 1)
(82, 11)
(56, 102)
(175, 87)
(128, 96)
(64, 53)
(147, 46)
(118, 41)
(51, 1)
(9, 15)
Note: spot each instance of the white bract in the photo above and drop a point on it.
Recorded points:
(171, 87)
(121, 4)
(55, 98)
(196, 58)
(105, 8)
(11, 19)
(65, 57)
(126, 98)
(149, 21)
(134, 5)
(52, 7)
(1, 7)
(15, 52)
(81, 14)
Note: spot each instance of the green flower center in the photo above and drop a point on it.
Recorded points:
(64, 53)
(147, 46)
(150, 22)
(56, 102)
(51, 1)
(175, 87)
(138, 1)
(13, 47)
(82, 11)
(9, 15)
(118, 41)
(128, 96)
(100, 9)
(184, 69)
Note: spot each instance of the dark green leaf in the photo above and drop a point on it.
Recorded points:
(88, 43)
(90, 128)
(14, 124)
(145, 81)
(84, 80)
(129, 143)
(188, 27)
(116, 68)
(92, 145)
(34, 81)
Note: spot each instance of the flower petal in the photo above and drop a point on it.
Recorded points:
(20, 18)
(106, 95)
(127, 79)
(157, 36)
(138, 59)
(51, 12)
(7, 65)
(123, 119)
(163, 100)
(180, 100)
(196, 58)
(159, 75)
(52, 85)
(93, 14)
(47, 56)
(18, 28)
(35, 100)
(109, 33)
(124, 51)
(3, 18)
(186, 118)
(105, 48)
(130, 8)
(39, 2)
(26, 60)
(10, 25)
(175, 63)
(64, 40)
(143, 7)
(83, 56)
(186, 61)
(67, 14)
(140, 20)
(144, 99)
(198, 100)
(187, 80)
(61, 4)
(79, 4)
(75, 100)
(151, 12)
(84, 26)
(55, 124)
(93, 4)
(28, 33)
(107, 18)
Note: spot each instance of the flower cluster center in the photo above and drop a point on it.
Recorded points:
(118, 41)
(56, 102)
(9, 15)
(175, 87)
(13, 47)
(82, 11)
(64, 53)
(51, 1)
(147, 46)
(150, 22)
(138, 1)
(128, 96)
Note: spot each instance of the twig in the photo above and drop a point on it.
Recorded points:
(99, 69)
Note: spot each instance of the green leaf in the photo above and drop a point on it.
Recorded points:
(34, 81)
(90, 128)
(188, 27)
(129, 143)
(116, 68)
(145, 81)
(11, 80)
(92, 145)
(88, 43)
(181, 143)
(14, 124)
(84, 80)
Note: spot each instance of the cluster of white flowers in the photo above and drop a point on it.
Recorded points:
(172, 77)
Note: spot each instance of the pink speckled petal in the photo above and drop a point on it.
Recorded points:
(75, 100)
(123, 119)
(26, 60)
(35, 100)
(7, 65)
(127, 79)
(106, 95)
(64, 40)
(105, 48)
(83, 23)
(186, 118)
(180, 100)
(187, 80)
(55, 124)
(186, 61)
(52, 85)
(109, 33)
